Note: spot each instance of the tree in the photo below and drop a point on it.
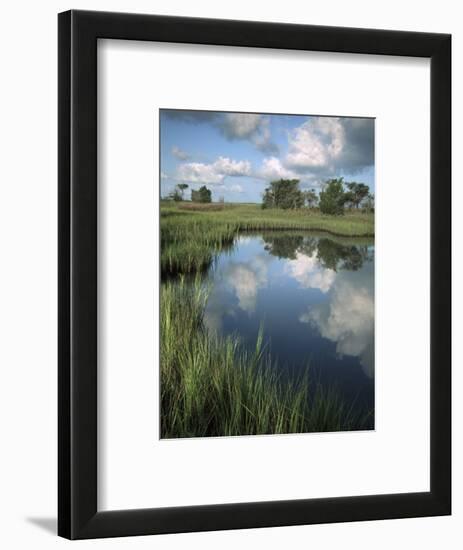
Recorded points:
(181, 187)
(175, 195)
(311, 198)
(357, 192)
(283, 194)
(368, 204)
(268, 200)
(203, 194)
(349, 199)
(332, 198)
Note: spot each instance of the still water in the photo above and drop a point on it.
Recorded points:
(314, 296)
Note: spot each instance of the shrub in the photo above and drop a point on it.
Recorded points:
(332, 198)
(203, 194)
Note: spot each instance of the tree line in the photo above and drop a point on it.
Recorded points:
(335, 196)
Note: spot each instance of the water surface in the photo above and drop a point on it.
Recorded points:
(314, 296)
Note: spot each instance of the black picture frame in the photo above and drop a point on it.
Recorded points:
(78, 516)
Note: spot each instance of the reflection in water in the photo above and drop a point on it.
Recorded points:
(333, 255)
(308, 271)
(284, 246)
(315, 297)
(245, 279)
(240, 278)
(348, 319)
(347, 316)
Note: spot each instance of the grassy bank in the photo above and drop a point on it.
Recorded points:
(191, 235)
(210, 386)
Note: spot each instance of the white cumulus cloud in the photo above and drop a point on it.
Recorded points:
(228, 167)
(315, 144)
(327, 145)
(273, 169)
(213, 173)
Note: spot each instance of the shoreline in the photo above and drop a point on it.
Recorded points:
(191, 238)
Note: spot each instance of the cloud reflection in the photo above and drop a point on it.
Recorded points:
(341, 279)
(347, 318)
(242, 280)
(308, 271)
(245, 279)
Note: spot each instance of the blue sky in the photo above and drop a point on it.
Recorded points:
(236, 155)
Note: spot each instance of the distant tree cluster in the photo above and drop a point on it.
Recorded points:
(357, 193)
(334, 198)
(203, 194)
(283, 194)
(177, 193)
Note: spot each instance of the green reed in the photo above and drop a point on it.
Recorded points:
(212, 386)
(191, 239)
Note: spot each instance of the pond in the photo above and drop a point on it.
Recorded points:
(314, 297)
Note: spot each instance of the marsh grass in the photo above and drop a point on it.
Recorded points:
(212, 386)
(191, 238)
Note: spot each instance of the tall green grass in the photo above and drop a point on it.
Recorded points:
(212, 386)
(191, 239)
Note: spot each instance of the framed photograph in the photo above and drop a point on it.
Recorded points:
(254, 274)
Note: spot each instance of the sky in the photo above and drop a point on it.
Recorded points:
(237, 155)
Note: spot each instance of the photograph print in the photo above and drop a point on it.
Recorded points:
(267, 264)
